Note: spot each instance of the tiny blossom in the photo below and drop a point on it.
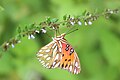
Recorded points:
(37, 31)
(13, 45)
(43, 30)
(85, 23)
(29, 37)
(79, 23)
(89, 22)
(19, 41)
(72, 23)
(7, 44)
(90, 15)
(72, 18)
(111, 12)
(53, 27)
(32, 36)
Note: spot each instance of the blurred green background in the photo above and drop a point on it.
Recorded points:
(98, 45)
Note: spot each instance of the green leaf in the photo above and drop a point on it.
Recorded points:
(54, 20)
(64, 17)
(48, 19)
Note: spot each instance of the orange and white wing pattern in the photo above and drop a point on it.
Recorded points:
(66, 58)
(59, 53)
(70, 60)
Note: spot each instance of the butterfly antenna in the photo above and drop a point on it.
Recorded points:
(72, 31)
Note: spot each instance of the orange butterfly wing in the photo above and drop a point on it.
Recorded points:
(70, 60)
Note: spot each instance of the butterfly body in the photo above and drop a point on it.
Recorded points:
(59, 53)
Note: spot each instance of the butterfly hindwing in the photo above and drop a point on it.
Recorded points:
(47, 53)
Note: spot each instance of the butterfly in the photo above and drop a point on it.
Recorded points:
(59, 54)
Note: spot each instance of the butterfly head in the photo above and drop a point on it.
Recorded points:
(60, 37)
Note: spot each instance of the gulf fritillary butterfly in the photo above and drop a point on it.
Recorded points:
(59, 53)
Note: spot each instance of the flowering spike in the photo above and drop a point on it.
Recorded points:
(12, 45)
(53, 24)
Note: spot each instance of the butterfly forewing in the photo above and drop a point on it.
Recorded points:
(70, 60)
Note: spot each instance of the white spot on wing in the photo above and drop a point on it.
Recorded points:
(39, 60)
(47, 64)
(54, 51)
(54, 45)
(70, 68)
(60, 44)
(75, 71)
(42, 62)
(48, 58)
(76, 64)
(45, 55)
(48, 50)
(57, 64)
(39, 54)
(44, 47)
(54, 63)
(57, 56)
(60, 49)
(78, 67)
(40, 50)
